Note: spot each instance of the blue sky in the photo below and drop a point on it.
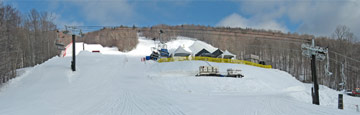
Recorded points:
(318, 17)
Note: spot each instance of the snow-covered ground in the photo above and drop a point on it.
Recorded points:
(113, 82)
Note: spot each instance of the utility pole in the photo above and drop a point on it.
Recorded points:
(315, 53)
(73, 54)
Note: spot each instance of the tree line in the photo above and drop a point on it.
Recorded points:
(25, 39)
(125, 39)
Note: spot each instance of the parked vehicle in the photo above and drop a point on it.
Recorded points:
(356, 92)
(234, 73)
(208, 71)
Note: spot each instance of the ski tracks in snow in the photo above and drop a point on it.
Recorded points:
(130, 103)
(133, 95)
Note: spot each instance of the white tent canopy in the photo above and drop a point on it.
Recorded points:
(199, 45)
(180, 51)
(228, 55)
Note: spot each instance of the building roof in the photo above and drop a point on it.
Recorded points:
(201, 52)
(197, 46)
(227, 54)
(180, 51)
(217, 53)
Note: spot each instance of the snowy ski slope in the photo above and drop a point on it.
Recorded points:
(113, 82)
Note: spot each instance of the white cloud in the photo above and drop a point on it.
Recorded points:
(317, 17)
(322, 18)
(236, 20)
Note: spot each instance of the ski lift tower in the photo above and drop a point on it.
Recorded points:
(162, 48)
(73, 30)
(161, 44)
(160, 32)
(315, 53)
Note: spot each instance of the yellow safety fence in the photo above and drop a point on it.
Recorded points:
(210, 59)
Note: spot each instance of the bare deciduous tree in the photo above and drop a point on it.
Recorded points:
(343, 32)
(24, 40)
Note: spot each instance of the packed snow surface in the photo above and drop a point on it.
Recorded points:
(112, 82)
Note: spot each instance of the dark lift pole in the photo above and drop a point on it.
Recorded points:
(73, 54)
(316, 85)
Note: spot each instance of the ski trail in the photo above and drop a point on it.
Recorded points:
(120, 84)
(130, 99)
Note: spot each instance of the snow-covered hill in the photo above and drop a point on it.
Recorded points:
(113, 82)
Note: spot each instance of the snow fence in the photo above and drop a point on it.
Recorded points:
(210, 59)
